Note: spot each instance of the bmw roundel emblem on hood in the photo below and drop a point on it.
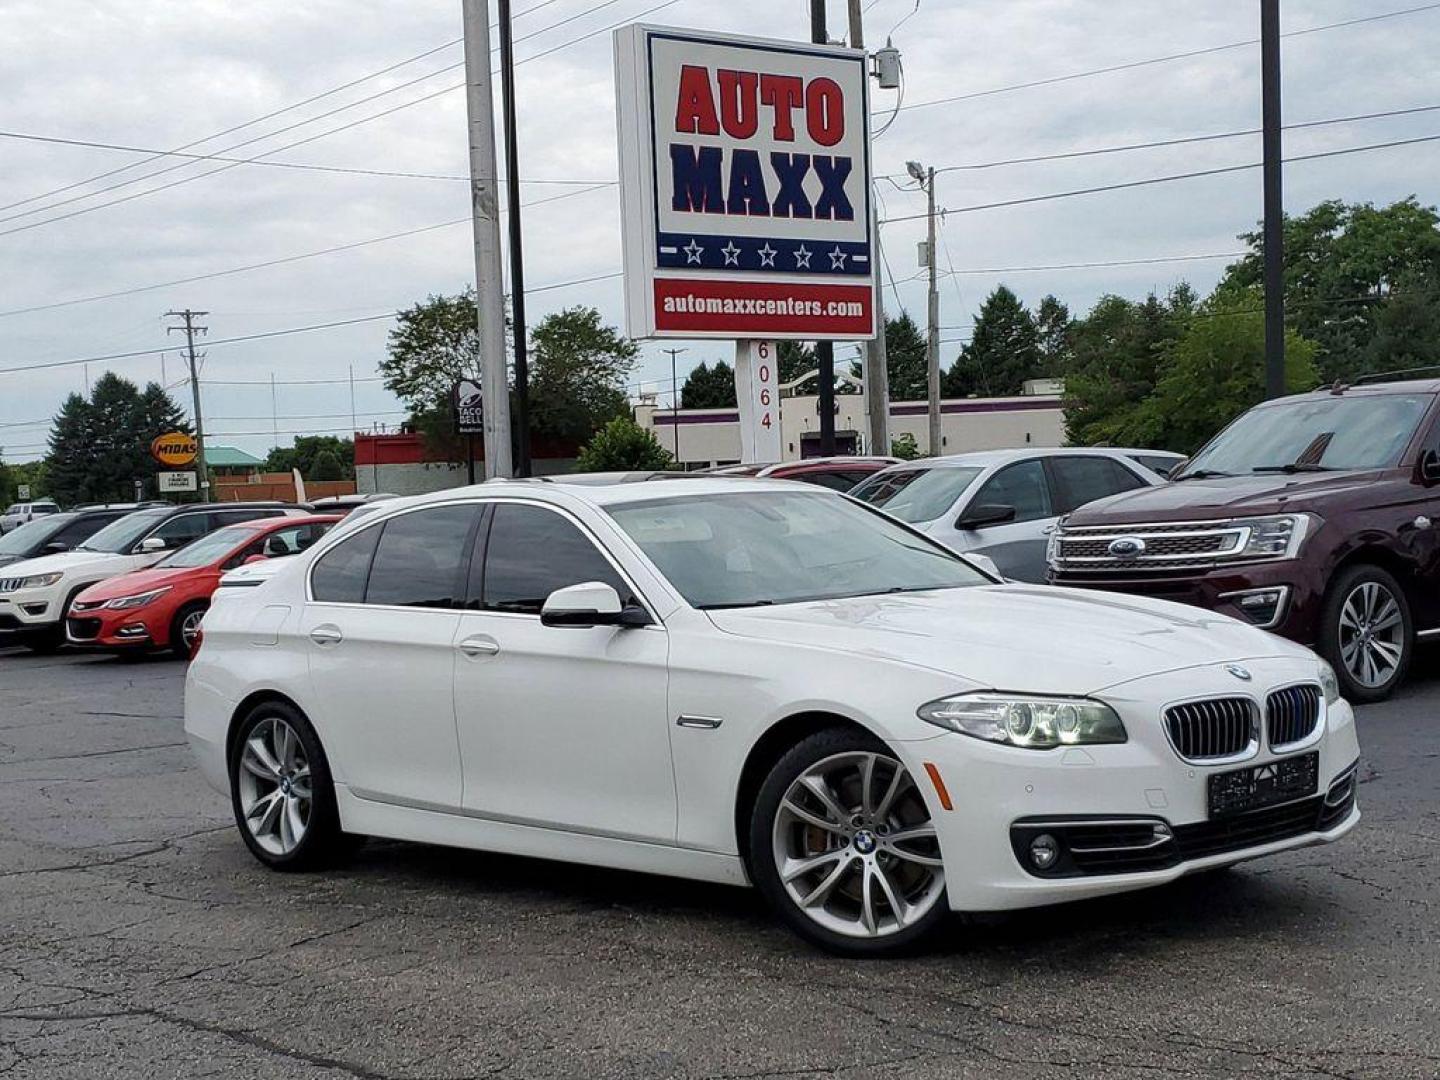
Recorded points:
(1126, 547)
(1239, 672)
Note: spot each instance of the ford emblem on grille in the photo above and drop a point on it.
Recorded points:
(1239, 672)
(1127, 547)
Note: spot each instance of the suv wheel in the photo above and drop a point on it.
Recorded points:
(842, 846)
(1367, 632)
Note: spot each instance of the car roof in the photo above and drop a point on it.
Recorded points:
(604, 489)
(986, 458)
(276, 523)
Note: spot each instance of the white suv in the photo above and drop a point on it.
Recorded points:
(36, 593)
(23, 513)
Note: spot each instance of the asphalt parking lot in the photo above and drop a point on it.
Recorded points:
(138, 938)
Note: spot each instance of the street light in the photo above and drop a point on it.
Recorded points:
(916, 171)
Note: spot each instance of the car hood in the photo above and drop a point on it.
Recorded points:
(1222, 497)
(67, 562)
(1031, 638)
(139, 582)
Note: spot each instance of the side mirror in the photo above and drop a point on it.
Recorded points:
(591, 603)
(56, 549)
(978, 517)
(1430, 467)
(151, 545)
(251, 560)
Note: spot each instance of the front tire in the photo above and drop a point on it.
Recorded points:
(185, 629)
(842, 846)
(281, 791)
(1367, 632)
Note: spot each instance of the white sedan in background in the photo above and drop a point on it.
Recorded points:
(1004, 504)
(754, 682)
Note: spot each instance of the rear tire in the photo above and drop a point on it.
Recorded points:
(842, 846)
(281, 792)
(1367, 632)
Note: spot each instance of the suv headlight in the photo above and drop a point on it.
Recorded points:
(1035, 723)
(139, 600)
(1276, 537)
(40, 581)
(1328, 682)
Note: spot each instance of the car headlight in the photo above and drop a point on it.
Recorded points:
(1036, 723)
(1277, 537)
(1329, 683)
(40, 581)
(139, 600)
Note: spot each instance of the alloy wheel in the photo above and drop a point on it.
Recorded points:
(855, 848)
(190, 629)
(1372, 634)
(274, 786)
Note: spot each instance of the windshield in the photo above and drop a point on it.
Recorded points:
(916, 494)
(752, 548)
(30, 536)
(120, 536)
(209, 549)
(1346, 432)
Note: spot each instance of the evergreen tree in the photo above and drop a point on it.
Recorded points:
(709, 387)
(327, 466)
(1004, 351)
(1054, 331)
(100, 447)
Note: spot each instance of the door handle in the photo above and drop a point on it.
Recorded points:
(479, 646)
(327, 634)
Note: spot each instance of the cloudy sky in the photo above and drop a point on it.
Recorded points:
(161, 74)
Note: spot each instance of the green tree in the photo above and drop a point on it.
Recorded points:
(8, 484)
(796, 358)
(904, 447)
(709, 387)
(1054, 331)
(1216, 370)
(307, 449)
(1004, 350)
(100, 447)
(623, 446)
(432, 346)
(577, 378)
(906, 363)
(327, 466)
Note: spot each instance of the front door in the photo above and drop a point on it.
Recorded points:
(1018, 546)
(559, 726)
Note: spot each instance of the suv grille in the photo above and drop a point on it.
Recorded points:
(1206, 730)
(1149, 547)
(1292, 715)
(10, 584)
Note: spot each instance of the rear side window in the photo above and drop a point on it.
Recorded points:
(421, 559)
(532, 552)
(1081, 480)
(339, 575)
(1164, 466)
(833, 481)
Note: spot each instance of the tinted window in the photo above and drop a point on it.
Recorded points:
(339, 575)
(29, 537)
(1156, 464)
(120, 536)
(81, 529)
(1081, 480)
(291, 541)
(532, 552)
(421, 556)
(234, 517)
(179, 531)
(834, 481)
(1021, 486)
(916, 494)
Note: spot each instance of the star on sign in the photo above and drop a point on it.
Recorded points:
(837, 259)
(802, 258)
(731, 253)
(692, 253)
(767, 255)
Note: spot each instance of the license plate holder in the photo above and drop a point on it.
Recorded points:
(1258, 786)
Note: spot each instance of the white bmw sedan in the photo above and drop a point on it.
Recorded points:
(754, 682)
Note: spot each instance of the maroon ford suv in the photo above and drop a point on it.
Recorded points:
(1314, 516)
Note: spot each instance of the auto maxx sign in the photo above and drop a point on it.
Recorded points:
(745, 177)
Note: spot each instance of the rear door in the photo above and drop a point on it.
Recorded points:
(1016, 547)
(1083, 478)
(380, 624)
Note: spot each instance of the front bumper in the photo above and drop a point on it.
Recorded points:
(1001, 790)
(114, 631)
(30, 609)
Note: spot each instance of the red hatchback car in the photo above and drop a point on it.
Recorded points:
(161, 607)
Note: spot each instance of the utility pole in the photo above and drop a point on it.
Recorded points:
(675, 398)
(274, 414)
(824, 350)
(877, 367)
(485, 213)
(517, 255)
(191, 330)
(1274, 199)
(352, 401)
(926, 179)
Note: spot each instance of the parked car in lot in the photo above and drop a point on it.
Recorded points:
(161, 608)
(51, 534)
(1005, 503)
(18, 514)
(837, 473)
(749, 681)
(1314, 516)
(36, 594)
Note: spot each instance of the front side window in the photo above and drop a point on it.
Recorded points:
(420, 561)
(120, 536)
(1082, 480)
(760, 548)
(340, 574)
(916, 495)
(30, 536)
(531, 552)
(1022, 486)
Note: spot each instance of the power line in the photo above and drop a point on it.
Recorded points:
(1133, 64)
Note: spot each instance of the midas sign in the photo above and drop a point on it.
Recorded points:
(745, 181)
(175, 449)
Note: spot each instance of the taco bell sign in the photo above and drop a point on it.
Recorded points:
(745, 177)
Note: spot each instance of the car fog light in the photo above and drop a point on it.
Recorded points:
(1044, 850)
(1260, 607)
